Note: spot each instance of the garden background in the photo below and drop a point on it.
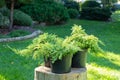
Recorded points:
(58, 17)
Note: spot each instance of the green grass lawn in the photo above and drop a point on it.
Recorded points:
(102, 66)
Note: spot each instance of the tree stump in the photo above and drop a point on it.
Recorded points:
(44, 73)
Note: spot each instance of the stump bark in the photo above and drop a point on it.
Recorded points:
(44, 73)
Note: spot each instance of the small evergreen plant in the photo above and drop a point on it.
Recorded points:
(84, 41)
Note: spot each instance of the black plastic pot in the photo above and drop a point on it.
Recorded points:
(79, 59)
(63, 65)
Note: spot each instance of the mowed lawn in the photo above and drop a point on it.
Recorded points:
(101, 66)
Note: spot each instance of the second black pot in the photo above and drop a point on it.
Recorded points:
(79, 59)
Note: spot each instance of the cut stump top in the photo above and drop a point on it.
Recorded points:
(44, 73)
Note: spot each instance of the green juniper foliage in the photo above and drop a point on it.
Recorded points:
(81, 39)
(49, 45)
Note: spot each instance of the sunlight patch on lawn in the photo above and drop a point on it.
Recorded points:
(2, 77)
(114, 58)
(108, 67)
(116, 16)
(101, 73)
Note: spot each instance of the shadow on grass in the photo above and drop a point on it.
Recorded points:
(16, 67)
(103, 61)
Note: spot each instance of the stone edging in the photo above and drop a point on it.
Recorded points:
(34, 34)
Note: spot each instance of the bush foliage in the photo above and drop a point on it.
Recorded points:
(17, 33)
(46, 11)
(72, 5)
(18, 3)
(2, 2)
(92, 10)
(91, 4)
(73, 13)
(22, 19)
(4, 21)
(5, 11)
(116, 7)
(101, 14)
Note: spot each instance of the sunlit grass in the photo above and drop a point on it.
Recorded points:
(101, 73)
(14, 66)
(101, 66)
(116, 16)
(2, 77)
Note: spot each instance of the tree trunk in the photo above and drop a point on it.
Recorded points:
(11, 14)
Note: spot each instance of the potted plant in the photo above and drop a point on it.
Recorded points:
(38, 44)
(84, 41)
(61, 57)
(59, 53)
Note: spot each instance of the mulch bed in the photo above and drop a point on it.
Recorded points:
(4, 31)
(27, 28)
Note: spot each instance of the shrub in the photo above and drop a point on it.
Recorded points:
(32, 10)
(44, 1)
(44, 12)
(55, 13)
(18, 3)
(2, 3)
(22, 19)
(73, 13)
(17, 33)
(116, 7)
(91, 4)
(72, 5)
(4, 21)
(93, 11)
(84, 41)
(52, 46)
(16, 6)
(101, 14)
(5, 11)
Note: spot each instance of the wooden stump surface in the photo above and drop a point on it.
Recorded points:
(44, 73)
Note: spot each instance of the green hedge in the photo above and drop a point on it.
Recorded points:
(115, 7)
(2, 3)
(90, 4)
(72, 5)
(22, 19)
(4, 21)
(73, 13)
(49, 12)
(5, 11)
(18, 3)
(101, 14)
